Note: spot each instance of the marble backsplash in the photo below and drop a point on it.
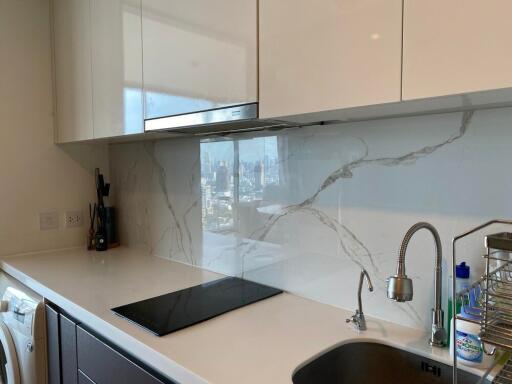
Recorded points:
(304, 209)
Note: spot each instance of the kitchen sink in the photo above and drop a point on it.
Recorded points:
(364, 362)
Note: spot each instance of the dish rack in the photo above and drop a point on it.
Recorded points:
(489, 299)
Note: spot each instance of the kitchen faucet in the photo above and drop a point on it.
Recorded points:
(400, 286)
(358, 318)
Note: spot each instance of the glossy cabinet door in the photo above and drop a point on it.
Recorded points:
(456, 46)
(72, 56)
(198, 54)
(116, 67)
(338, 54)
(68, 360)
(53, 345)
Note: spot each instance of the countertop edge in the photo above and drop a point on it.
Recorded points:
(166, 365)
(152, 358)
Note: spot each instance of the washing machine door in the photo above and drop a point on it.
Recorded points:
(9, 368)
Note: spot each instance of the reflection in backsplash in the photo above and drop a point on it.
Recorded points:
(236, 175)
(304, 209)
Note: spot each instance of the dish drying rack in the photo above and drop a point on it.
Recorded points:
(489, 299)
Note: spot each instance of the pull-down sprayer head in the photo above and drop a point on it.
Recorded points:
(400, 286)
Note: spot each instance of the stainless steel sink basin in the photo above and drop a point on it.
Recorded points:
(370, 363)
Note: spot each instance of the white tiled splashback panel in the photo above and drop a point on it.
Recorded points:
(305, 208)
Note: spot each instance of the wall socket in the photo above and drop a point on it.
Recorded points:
(48, 220)
(73, 219)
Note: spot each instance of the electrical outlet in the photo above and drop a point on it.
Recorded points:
(48, 220)
(74, 219)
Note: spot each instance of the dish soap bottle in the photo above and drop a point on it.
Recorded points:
(468, 347)
(462, 281)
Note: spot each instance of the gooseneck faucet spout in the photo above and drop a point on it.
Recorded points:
(358, 318)
(370, 288)
(400, 286)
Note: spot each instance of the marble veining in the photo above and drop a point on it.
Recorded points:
(286, 208)
(162, 180)
(345, 172)
(355, 250)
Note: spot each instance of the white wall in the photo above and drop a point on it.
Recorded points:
(35, 175)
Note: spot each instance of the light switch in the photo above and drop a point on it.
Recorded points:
(48, 220)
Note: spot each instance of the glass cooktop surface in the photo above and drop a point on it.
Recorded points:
(177, 310)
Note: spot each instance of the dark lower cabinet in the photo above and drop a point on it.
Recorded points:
(104, 365)
(76, 355)
(83, 379)
(61, 337)
(68, 355)
(53, 344)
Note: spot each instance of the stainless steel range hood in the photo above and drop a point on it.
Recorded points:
(234, 118)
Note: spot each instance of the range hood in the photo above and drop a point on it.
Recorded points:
(233, 118)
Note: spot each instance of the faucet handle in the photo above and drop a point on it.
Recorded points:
(357, 320)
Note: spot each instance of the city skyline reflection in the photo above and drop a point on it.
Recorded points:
(236, 177)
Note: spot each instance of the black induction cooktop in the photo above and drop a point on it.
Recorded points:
(177, 310)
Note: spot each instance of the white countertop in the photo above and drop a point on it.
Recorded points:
(261, 343)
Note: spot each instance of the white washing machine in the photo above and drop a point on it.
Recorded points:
(22, 334)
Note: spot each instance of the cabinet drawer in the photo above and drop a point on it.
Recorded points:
(104, 365)
(83, 379)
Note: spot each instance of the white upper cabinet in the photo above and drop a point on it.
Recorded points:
(116, 67)
(98, 68)
(72, 46)
(456, 46)
(118, 62)
(318, 56)
(198, 55)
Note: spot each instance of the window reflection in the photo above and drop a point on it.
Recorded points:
(217, 56)
(237, 179)
(217, 185)
(132, 110)
(160, 104)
